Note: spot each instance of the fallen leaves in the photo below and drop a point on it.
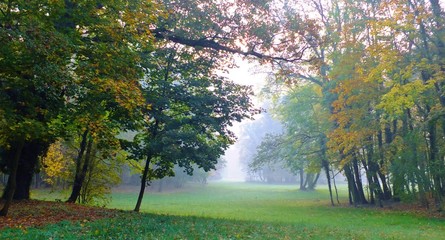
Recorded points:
(33, 213)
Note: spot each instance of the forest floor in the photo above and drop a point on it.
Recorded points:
(34, 213)
(401, 207)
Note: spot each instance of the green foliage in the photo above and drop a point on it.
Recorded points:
(56, 52)
(251, 135)
(272, 163)
(190, 112)
(269, 153)
(104, 171)
(103, 174)
(68, 66)
(33, 63)
(302, 145)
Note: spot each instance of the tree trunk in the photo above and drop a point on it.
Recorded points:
(426, 77)
(373, 180)
(86, 184)
(370, 181)
(143, 183)
(26, 168)
(435, 164)
(352, 188)
(379, 191)
(386, 191)
(424, 183)
(358, 182)
(79, 158)
(325, 164)
(306, 181)
(302, 184)
(37, 180)
(12, 179)
(79, 178)
(335, 186)
(161, 183)
(313, 181)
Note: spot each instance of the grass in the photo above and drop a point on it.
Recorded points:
(239, 211)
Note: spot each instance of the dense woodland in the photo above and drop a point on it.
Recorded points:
(358, 87)
(367, 101)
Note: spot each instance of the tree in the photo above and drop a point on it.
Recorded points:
(53, 53)
(55, 165)
(277, 157)
(302, 147)
(251, 134)
(189, 115)
(32, 81)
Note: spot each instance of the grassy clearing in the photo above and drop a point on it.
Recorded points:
(240, 211)
(287, 206)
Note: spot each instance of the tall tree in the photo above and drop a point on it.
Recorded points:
(33, 83)
(189, 115)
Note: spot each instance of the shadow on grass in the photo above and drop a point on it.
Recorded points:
(130, 225)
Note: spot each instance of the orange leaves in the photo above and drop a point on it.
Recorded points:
(346, 141)
(32, 213)
(352, 110)
(126, 93)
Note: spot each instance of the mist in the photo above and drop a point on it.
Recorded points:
(249, 132)
(233, 170)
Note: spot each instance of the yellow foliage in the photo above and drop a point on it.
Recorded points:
(55, 165)
(402, 97)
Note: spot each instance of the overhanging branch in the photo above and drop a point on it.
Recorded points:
(162, 33)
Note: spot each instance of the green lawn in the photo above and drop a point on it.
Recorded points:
(240, 211)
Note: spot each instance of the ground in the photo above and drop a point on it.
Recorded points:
(33, 213)
(27, 213)
(220, 211)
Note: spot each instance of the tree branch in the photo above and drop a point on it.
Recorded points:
(162, 33)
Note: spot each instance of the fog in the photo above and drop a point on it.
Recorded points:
(235, 157)
(233, 171)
